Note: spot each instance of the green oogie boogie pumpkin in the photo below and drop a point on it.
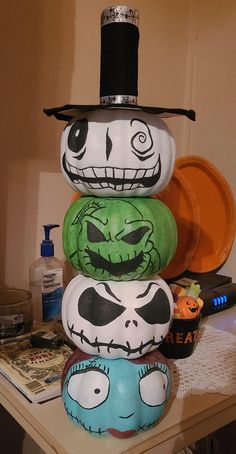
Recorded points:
(119, 239)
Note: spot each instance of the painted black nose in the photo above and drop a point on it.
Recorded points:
(127, 323)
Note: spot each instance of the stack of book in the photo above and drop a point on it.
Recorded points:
(34, 370)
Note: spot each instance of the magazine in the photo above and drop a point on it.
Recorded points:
(35, 371)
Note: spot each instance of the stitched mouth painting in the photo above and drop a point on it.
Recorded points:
(116, 319)
(118, 398)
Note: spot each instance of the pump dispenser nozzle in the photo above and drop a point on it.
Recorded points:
(47, 246)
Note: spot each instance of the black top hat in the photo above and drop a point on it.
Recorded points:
(118, 68)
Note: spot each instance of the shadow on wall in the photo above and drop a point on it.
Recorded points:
(37, 57)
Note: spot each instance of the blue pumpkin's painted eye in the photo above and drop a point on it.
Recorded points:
(89, 391)
(153, 388)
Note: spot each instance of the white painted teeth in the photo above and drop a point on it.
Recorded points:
(130, 174)
(98, 172)
(120, 173)
(111, 172)
(140, 173)
(149, 173)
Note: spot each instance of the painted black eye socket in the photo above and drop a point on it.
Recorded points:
(78, 135)
(141, 142)
(94, 235)
(135, 236)
(157, 310)
(96, 309)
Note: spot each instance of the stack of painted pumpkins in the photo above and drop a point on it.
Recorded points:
(117, 310)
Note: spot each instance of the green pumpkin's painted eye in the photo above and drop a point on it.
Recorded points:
(94, 235)
(135, 236)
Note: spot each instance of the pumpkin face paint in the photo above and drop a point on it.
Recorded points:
(115, 397)
(113, 153)
(188, 304)
(188, 307)
(119, 239)
(117, 319)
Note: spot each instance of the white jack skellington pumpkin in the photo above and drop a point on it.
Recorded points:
(117, 319)
(117, 152)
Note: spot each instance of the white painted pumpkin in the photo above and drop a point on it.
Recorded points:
(117, 152)
(117, 319)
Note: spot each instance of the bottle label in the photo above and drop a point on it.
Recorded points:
(52, 291)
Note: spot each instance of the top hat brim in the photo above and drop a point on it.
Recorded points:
(68, 111)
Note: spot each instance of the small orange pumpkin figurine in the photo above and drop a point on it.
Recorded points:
(188, 304)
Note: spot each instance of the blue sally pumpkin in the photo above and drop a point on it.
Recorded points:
(115, 397)
(119, 238)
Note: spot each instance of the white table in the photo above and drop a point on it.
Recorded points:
(186, 420)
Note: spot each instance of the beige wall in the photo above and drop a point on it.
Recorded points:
(213, 92)
(50, 56)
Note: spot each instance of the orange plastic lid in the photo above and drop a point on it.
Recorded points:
(75, 196)
(217, 210)
(178, 197)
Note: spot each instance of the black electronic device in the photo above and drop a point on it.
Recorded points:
(217, 291)
(217, 299)
(47, 339)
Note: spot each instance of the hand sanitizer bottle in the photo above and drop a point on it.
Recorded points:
(46, 281)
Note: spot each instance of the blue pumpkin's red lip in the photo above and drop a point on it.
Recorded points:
(121, 434)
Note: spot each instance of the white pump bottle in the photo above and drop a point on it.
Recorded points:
(46, 281)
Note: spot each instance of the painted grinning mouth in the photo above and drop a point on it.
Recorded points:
(193, 309)
(115, 269)
(111, 345)
(113, 177)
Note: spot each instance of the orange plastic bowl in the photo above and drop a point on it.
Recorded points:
(180, 199)
(217, 210)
